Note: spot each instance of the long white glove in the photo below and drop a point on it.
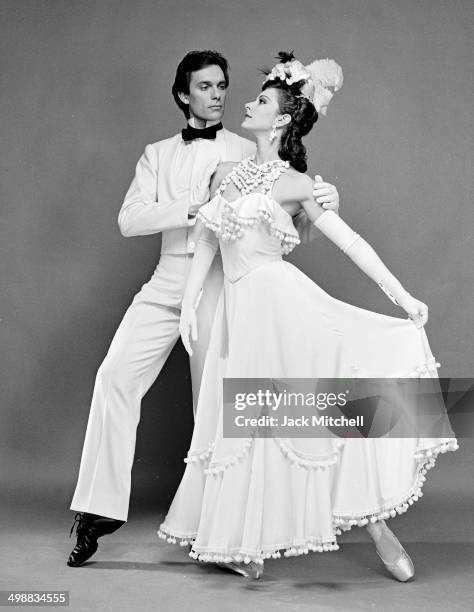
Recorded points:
(204, 254)
(364, 256)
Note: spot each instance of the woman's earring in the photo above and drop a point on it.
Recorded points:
(273, 133)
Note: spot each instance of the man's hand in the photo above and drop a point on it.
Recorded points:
(201, 192)
(325, 194)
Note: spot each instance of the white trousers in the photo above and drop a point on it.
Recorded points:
(139, 349)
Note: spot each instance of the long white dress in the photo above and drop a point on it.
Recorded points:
(253, 498)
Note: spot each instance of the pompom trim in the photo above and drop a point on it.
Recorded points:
(195, 456)
(218, 469)
(228, 225)
(244, 556)
(430, 367)
(427, 459)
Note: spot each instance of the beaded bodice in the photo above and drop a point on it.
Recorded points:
(253, 228)
(247, 176)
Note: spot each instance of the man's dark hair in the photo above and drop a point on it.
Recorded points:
(193, 61)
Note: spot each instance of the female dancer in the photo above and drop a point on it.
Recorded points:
(242, 500)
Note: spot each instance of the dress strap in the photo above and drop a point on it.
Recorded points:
(268, 185)
(235, 178)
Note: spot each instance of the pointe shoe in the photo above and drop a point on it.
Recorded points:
(402, 569)
(89, 528)
(248, 570)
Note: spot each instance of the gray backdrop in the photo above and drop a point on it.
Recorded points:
(86, 85)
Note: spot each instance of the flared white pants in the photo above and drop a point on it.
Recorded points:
(139, 349)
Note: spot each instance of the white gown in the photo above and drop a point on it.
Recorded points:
(251, 499)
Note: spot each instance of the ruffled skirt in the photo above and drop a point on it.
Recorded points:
(254, 498)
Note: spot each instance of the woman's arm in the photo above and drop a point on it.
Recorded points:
(207, 244)
(204, 254)
(363, 255)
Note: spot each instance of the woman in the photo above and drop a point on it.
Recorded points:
(244, 500)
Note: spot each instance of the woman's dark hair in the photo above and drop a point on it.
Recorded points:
(191, 62)
(303, 116)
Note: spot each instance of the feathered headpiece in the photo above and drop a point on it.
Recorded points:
(319, 80)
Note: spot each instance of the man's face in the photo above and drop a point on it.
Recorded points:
(207, 92)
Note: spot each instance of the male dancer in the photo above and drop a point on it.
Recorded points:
(171, 182)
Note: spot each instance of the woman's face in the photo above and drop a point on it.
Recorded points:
(260, 114)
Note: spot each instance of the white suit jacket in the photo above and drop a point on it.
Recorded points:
(166, 173)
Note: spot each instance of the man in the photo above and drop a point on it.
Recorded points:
(171, 182)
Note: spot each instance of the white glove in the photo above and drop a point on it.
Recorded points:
(187, 324)
(200, 193)
(364, 256)
(203, 256)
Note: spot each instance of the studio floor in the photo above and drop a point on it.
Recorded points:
(135, 570)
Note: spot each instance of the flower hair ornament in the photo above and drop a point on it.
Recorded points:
(318, 80)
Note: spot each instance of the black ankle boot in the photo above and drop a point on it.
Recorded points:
(89, 528)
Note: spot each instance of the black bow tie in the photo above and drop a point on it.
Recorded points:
(209, 133)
